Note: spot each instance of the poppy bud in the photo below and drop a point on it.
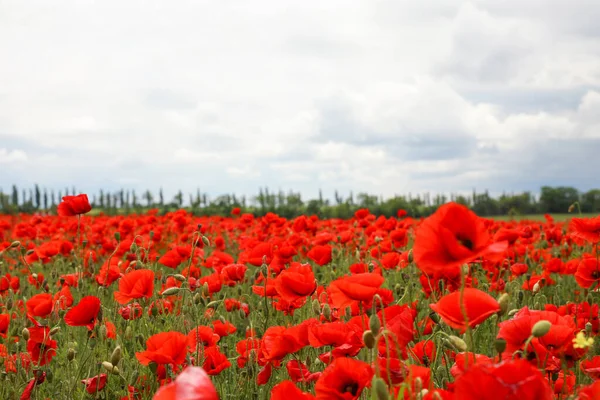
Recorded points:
(316, 307)
(134, 377)
(513, 312)
(110, 368)
(29, 252)
(205, 289)
(504, 301)
(103, 332)
(327, 311)
(434, 317)
(418, 384)
(70, 354)
(205, 241)
(54, 330)
(436, 396)
(500, 345)
(380, 388)
(242, 314)
(571, 208)
(398, 289)
(115, 356)
(118, 236)
(9, 304)
(409, 257)
(541, 328)
(368, 339)
(374, 324)
(179, 277)
(128, 333)
(14, 244)
(25, 333)
(588, 327)
(170, 291)
(140, 339)
(458, 343)
(197, 298)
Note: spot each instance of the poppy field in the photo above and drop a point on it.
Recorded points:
(176, 306)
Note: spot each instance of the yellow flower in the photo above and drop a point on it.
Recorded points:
(581, 342)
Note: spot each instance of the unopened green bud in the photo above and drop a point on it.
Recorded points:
(25, 333)
(115, 356)
(500, 345)
(179, 277)
(504, 301)
(110, 368)
(128, 333)
(118, 236)
(369, 339)
(316, 307)
(205, 241)
(170, 291)
(327, 311)
(14, 244)
(458, 343)
(541, 328)
(588, 328)
(70, 354)
(380, 388)
(410, 256)
(374, 324)
(54, 330)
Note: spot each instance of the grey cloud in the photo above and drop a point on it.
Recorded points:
(168, 99)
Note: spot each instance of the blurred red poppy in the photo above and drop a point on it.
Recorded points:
(344, 379)
(164, 348)
(74, 205)
(191, 384)
(85, 313)
(451, 237)
(360, 287)
(95, 384)
(509, 380)
(135, 285)
(478, 306)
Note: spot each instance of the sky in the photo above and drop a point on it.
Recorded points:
(382, 96)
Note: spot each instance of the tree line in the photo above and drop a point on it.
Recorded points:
(291, 204)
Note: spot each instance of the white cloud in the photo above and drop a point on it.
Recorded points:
(387, 96)
(12, 156)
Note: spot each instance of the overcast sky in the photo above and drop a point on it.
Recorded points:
(387, 97)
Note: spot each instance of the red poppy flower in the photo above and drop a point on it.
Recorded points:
(203, 336)
(321, 255)
(286, 390)
(590, 392)
(40, 346)
(74, 205)
(557, 341)
(344, 379)
(588, 272)
(509, 380)
(214, 361)
(164, 348)
(191, 384)
(296, 282)
(135, 285)
(478, 306)
(40, 305)
(95, 384)
(4, 321)
(360, 287)
(451, 237)
(585, 230)
(591, 367)
(223, 328)
(85, 313)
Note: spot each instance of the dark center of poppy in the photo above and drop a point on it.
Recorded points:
(596, 274)
(351, 388)
(464, 241)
